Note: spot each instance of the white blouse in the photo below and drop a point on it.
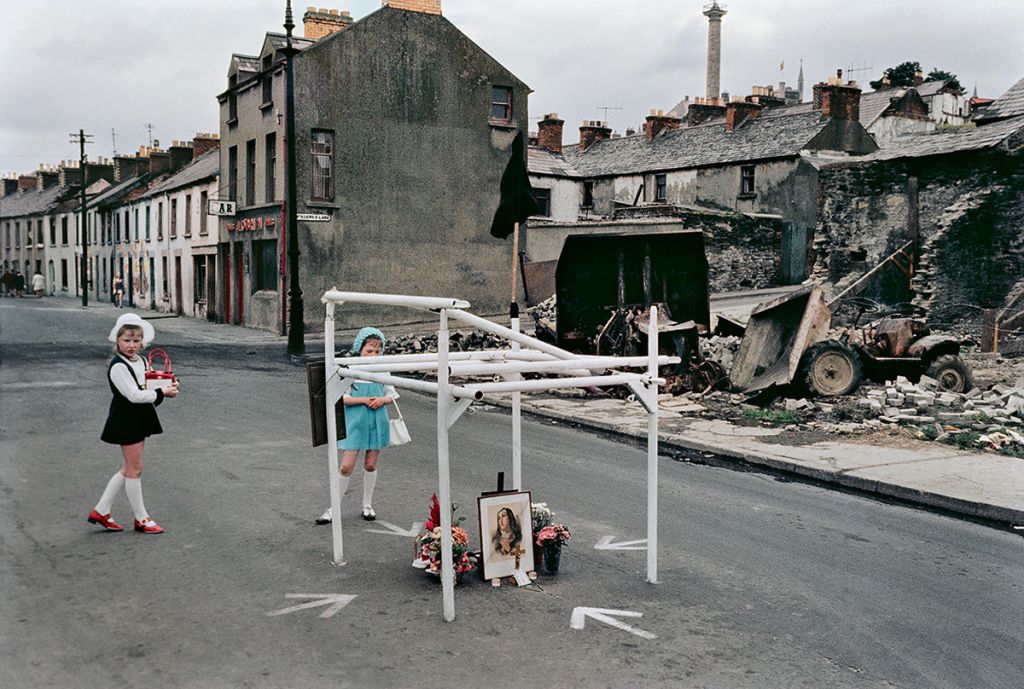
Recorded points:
(129, 386)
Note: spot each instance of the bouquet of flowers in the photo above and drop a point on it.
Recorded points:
(553, 533)
(542, 516)
(429, 543)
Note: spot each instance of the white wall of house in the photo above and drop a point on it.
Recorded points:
(565, 196)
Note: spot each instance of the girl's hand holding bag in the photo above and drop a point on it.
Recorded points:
(398, 431)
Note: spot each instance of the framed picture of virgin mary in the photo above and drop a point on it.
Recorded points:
(506, 534)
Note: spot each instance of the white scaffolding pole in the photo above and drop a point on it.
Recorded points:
(332, 393)
(517, 420)
(652, 452)
(444, 494)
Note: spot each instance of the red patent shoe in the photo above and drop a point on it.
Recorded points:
(147, 525)
(104, 520)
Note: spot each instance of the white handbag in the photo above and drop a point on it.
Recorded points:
(398, 430)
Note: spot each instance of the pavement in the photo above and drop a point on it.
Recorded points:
(976, 485)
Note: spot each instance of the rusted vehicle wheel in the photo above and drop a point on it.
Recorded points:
(830, 368)
(951, 372)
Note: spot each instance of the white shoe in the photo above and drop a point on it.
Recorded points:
(324, 518)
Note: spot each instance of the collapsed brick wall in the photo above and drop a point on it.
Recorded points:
(743, 251)
(969, 208)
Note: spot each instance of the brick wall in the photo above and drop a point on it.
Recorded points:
(427, 6)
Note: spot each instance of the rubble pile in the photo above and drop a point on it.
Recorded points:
(545, 319)
(459, 341)
(924, 403)
(720, 349)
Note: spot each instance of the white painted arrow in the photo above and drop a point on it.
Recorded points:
(580, 615)
(337, 601)
(393, 530)
(606, 544)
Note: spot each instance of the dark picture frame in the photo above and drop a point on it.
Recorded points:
(506, 530)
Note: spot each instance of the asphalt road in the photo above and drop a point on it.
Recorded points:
(763, 583)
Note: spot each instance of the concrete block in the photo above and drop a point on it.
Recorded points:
(928, 383)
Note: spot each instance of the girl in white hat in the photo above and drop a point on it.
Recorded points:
(132, 419)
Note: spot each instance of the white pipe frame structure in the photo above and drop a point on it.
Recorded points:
(527, 355)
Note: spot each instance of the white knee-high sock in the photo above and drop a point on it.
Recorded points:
(109, 493)
(369, 482)
(343, 485)
(133, 487)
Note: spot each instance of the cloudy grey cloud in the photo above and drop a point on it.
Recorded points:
(117, 64)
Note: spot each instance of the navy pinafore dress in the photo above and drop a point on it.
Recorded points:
(128, 422)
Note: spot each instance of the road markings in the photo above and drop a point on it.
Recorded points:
(580, 615)
(606, 544)
(337, 601)
(393, 530)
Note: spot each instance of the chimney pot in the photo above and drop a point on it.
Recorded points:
(549, 132)
(593, 131)
(657, 121)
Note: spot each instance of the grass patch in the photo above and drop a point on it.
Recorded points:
(965, 440)
(775, 417)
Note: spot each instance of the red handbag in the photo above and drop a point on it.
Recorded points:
(159, 378)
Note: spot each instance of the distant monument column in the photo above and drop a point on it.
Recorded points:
(714, 12)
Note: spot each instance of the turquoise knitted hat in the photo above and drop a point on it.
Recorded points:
(368, 331)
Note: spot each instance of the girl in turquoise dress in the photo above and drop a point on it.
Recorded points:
(366, 424)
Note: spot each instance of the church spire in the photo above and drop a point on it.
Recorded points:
(800, 81)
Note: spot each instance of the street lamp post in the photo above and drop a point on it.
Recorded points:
(296, 328)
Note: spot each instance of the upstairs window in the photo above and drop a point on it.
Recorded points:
(204, 203)
(160, 220)
(501, 104)
(588, 195)
(250, 172)
(174, 218)
(17, 234)
(660, 188)
(322, 152)
(270, 165)
(64, 230)
(39, 232)
(268, 80)
(233, 173)
(747, 180)
(188, 215)
(543, 199)
(232, 99)
(53, 231)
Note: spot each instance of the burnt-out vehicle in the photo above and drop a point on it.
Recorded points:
(896, 342)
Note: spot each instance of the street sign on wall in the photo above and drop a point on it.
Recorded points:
(218, 207)
(313, 217)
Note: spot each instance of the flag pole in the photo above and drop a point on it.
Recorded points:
(514, 312)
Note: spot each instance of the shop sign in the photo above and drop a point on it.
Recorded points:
(251, 224)
(217, 207)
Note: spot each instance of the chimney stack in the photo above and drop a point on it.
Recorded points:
(738, 112)
(593, 131)
(425, 6)
(181, 154)
(658, 121)
(46, 177)
(26, 183)
(159, 161)
(10, 186)
(837, 100)
(918, 78)
(203, 142)
(549, 132)
(703, 109)
(317, 23)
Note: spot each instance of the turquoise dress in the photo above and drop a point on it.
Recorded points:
(365, 428)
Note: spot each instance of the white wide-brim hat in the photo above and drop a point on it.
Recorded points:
(133, 319)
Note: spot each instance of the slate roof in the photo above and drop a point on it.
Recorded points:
(541, 161)
(30, 202)
(1010, 104)
(279, 41)
(944, 141)
(204, 167)
(707, 144)
(114, 193)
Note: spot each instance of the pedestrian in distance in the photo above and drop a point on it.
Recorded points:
(19, 283)
(38, 284)
(117, 291)
(366, 425)
(7, 281)
(132, 418)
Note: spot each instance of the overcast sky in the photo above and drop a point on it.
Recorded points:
(118, 64)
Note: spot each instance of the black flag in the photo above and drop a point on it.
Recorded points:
(517, 203)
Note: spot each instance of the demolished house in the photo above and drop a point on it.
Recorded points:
(950, 199)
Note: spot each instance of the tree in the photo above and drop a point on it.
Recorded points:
(900, 75)
(942, 75)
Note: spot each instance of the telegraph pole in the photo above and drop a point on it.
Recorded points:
(82, 139)
(296, 327)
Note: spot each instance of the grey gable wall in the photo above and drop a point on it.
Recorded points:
(417, 166)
